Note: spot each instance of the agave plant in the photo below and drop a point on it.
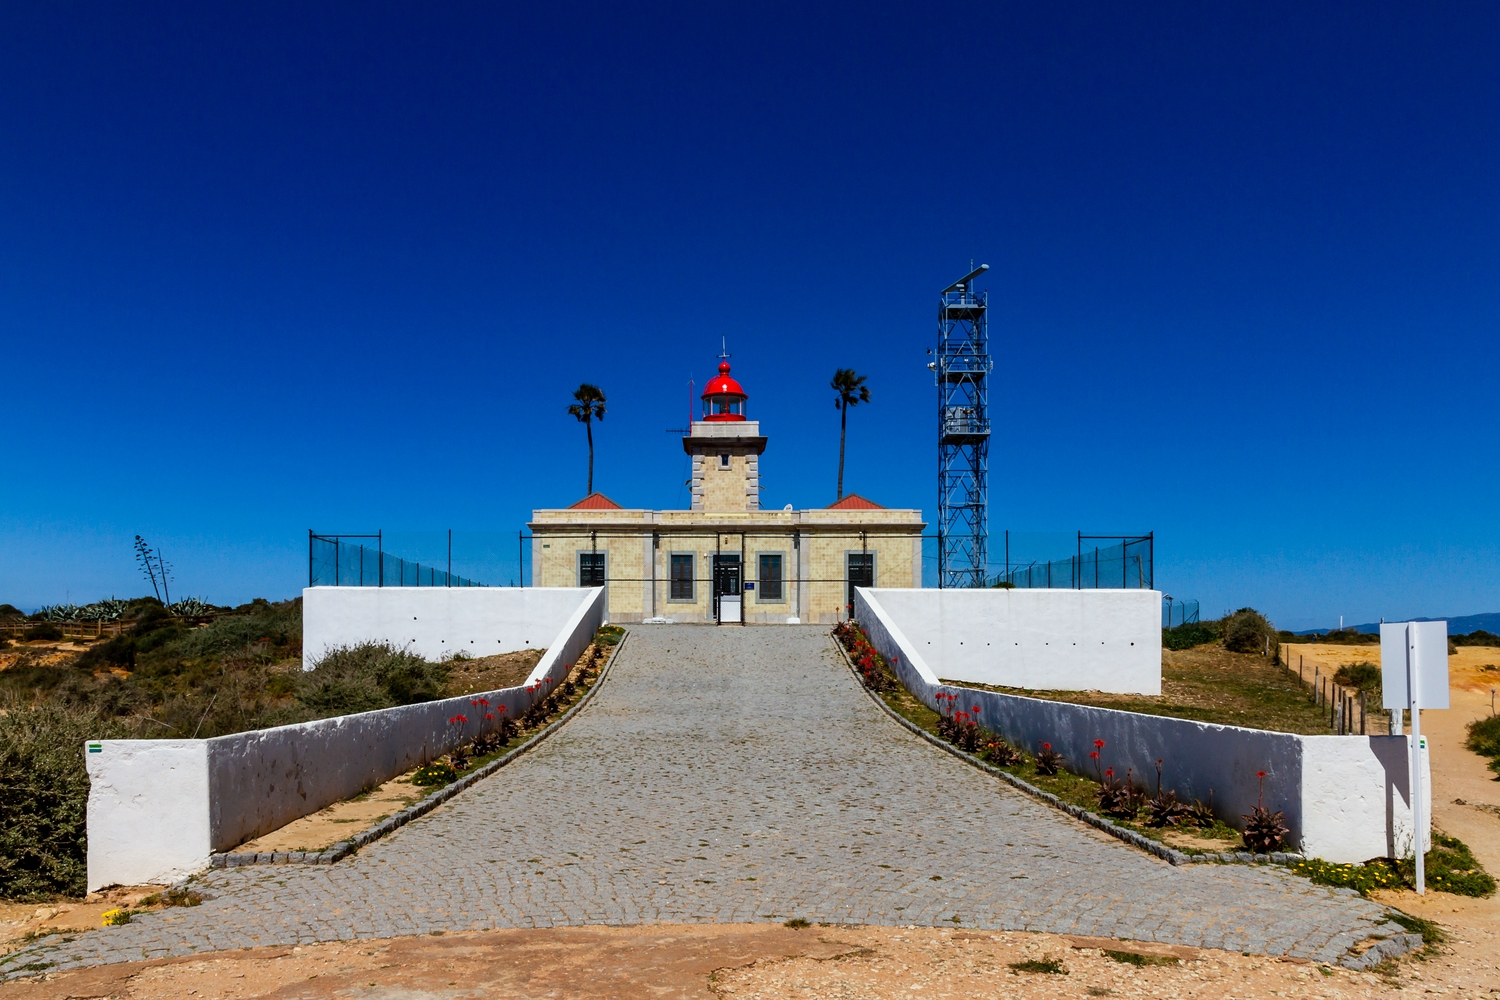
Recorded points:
(1116, 797)
(108, 610)
(1264, 829)
(1164, 809)
(60, 612)
(1201, 814)
(1001, 753)
(1048, 760)
(190, 606)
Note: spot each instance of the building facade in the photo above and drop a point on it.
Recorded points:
(725, 559)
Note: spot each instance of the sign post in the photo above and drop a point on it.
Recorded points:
(1414, 676)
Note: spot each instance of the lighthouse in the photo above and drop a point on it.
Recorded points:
(727, 558)
(725, 447)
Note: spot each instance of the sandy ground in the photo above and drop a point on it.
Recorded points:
(1465, 802)
(20, 921)
(339, 821)
(724, 960)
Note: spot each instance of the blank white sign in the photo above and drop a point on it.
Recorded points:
(1427, 644)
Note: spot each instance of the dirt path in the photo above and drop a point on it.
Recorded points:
(665, 962)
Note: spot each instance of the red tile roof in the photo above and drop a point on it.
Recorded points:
(855, 502)
(595, 501)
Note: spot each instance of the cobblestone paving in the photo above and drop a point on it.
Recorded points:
(727, 774)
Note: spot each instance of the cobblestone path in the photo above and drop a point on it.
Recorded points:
(727, 774)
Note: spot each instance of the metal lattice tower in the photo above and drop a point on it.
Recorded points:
(962, 368)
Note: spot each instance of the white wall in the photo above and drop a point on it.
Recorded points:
(148, 819)
(159, 808)
(434, 622)
(1048, 640)
(1356, 797)
(1345, 798)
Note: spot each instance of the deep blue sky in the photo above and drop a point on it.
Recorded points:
(265, 268)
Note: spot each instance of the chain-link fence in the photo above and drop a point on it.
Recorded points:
(1175, 613)
(361, 561)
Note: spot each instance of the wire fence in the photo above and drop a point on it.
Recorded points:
(1175, 613)
(454, 558)
(1097, 562)
(361, 561)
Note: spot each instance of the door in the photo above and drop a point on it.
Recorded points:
(861, 573)
(727, 589)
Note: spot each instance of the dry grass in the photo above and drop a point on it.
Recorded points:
(1210, 684)
(491, 673)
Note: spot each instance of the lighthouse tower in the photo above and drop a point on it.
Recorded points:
(725, 447)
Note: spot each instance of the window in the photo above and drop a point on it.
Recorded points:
(682, 577)
(723, 461)
(591, 569)
(770, 578)
(861, 572)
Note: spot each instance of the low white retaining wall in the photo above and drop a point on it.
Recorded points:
(1049, 640)
(1346, 798)
(158, 808)
(434, 622)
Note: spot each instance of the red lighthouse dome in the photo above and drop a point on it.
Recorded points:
(723, 399)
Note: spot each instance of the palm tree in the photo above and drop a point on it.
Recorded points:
(589, 407)
(852, 392)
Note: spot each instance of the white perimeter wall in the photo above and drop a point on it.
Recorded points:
(1346, 798)
(434, 622)
(158, 808)
(1049, 640)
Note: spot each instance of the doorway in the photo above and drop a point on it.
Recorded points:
(860, 570)
(727, 589)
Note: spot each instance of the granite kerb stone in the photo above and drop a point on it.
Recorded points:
(395, 821)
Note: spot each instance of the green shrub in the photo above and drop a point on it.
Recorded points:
(1190, 635)
(1479, 637)
(277, 626)
(1484, 739)
(1247, 631)
(371, 675)
(1360, 676)
(116, 652)
(609, 635)
(43, 799)
(42, 630)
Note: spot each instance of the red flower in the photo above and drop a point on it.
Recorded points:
(1109, 772)
(976, 708)
(1260, 774)
(490, 715)
(1098, 745)
(1046, 746)
(1094, 754)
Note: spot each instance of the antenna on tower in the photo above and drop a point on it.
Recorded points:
(962, 367)
(724, 354)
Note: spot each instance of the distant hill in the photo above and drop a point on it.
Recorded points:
(1462, 625)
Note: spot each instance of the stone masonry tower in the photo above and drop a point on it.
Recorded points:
(726, 449)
